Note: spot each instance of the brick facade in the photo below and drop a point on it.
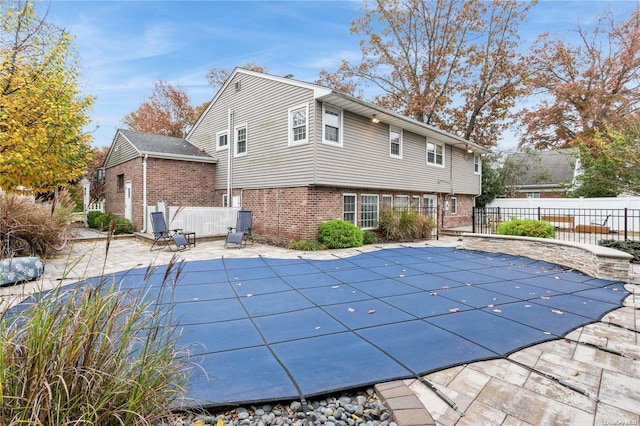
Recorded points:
(178, 183)
(283, 214)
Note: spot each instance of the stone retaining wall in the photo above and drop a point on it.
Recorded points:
(593, 260)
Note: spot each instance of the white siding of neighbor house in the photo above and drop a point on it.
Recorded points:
(262, 104)
(362, 161)
(121, 152)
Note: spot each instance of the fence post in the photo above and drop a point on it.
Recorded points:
(539, 216)
(473, 219)
(625, 223)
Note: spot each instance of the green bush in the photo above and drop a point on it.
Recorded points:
(527, 228)
(119, 225)
(627, 246)
(305, 245)
(92, 356)
(339, 233)
(369, 237)
(405, 225)
(92, 219)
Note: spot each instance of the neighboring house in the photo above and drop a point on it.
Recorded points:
(143, 169)
(298, 154)
(543, 174)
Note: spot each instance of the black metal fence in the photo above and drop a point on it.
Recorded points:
(580, 225)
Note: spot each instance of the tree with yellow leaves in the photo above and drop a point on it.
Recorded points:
(42, 113)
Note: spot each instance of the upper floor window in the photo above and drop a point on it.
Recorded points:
(222, 140)
(298, 124)
(476, 164)
(395, 142)
(331, 125)
(435, 153)
(241, 140)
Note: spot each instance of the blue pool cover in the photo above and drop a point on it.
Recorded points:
(275, 329)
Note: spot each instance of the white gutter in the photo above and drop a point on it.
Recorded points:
(229, 148)
(144, 193)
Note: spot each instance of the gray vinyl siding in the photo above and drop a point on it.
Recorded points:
(262, 104)
(121, 152)
(364, 161)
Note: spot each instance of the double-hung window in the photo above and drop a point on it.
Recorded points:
(369, 211)
(454, 205)
(299, 125)
(331, 125)
(402, 202)
(241, 140)
(435, 154)
(222, 140)
(395, 142)
(476, 164)
(349, 210)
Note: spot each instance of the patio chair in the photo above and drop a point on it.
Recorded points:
(242, 232)
(163, 235)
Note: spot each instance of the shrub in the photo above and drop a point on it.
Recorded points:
(108, 222)
(92, 219)
(43, 222)
(339, 233)
(627, 246)
(369, 237)
(527, 228)
(405, 225)
(305, 245)
(93, 355)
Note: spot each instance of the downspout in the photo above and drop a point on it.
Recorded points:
(229, 148)
(144, 193)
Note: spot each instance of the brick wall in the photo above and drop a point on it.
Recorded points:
(283, 214)
(179, 183)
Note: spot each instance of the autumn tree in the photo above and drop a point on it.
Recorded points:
(448, 63)
(218, 76)
(589, 81)
(167, 112)
(42, 112)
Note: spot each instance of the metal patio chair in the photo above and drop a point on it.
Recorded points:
(241, 234)
(163, 235)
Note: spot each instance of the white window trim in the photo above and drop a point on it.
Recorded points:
(340, 132)
(390, 197)
(453, 205)
(235, 140)
(223, 132)
(477, 162)
(306, 139)
(355, 207)
(434, 154)
(411, 203)
(401, 197)
(400, 132)
(225, 200)
(377, 209)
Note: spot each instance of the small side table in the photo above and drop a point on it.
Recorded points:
(191, 238)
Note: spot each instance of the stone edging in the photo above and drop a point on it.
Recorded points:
(403, 404)
(591, 259)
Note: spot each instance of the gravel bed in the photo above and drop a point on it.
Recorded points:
(358, 408)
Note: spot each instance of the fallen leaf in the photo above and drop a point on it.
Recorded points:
(198, 423)
(433, 293)
(401, 275)
(454, 310)
(351, 310)
(371, 311)
(545, 297)
(575, 373)
(497, 311)
(557, 311)
(527, 306)
(250, 294)
(556, 277)
(220, 422)
(445, 287)
(335, 286)
(318, 328)
(490, 306)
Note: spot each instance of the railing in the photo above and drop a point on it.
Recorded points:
(580, 225)
(97, 206)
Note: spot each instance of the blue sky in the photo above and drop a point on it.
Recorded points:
(124, 47)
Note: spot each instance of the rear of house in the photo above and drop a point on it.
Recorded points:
(299, 154)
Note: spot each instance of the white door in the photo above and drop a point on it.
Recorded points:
(430, 203)
(128, 201)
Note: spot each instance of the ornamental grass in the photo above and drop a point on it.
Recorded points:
(92, 354)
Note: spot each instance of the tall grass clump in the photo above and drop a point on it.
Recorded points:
(527, 228)
(43, 222)
(90, 355)
(405, 225)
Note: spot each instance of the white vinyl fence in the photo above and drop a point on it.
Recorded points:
(204, 221)
(568, 203)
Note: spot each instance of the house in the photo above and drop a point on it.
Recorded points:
(143, 169)
(542, 174)
(298, 154)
